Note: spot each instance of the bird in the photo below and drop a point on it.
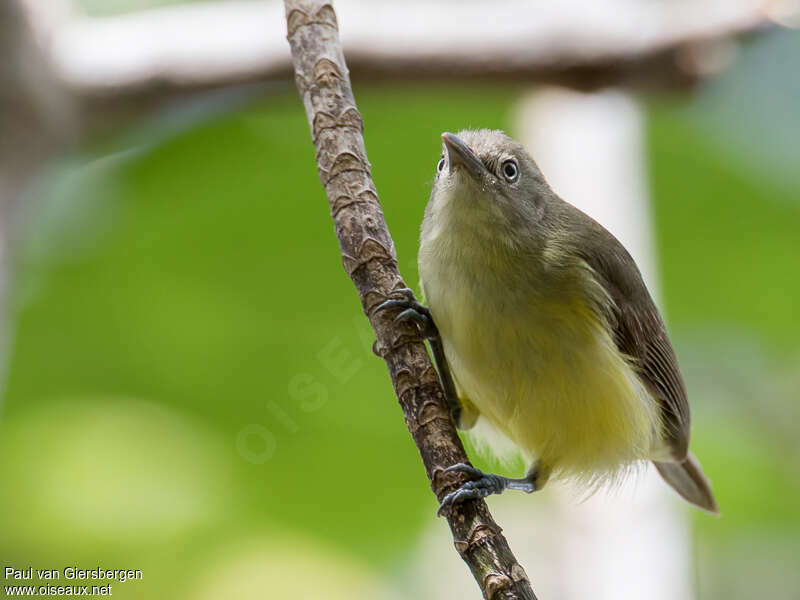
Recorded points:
(541, 326)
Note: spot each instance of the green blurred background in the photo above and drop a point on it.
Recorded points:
(191, 378)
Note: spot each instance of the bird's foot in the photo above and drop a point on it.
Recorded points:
(420, 315)
(482, 485)
(413, 311)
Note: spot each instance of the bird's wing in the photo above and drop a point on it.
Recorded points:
(639, 333)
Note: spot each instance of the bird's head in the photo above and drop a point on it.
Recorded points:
(486, 173)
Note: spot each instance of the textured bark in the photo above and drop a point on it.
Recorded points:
(369, 258)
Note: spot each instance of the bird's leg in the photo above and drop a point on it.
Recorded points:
(486, 484)
(482, 484)
(420, 315)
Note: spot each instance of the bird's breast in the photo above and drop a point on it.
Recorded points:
(529, 349)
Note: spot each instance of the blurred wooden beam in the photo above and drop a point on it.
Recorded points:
(584, 44)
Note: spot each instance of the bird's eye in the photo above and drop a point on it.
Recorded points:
(510, 171)
(440, 165)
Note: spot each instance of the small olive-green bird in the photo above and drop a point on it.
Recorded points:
(541, 325)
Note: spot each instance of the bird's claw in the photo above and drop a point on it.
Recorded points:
(480, 486)
(414, 312)
(469, 470)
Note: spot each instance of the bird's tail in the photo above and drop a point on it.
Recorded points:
(687, 478)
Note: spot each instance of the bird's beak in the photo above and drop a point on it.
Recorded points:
(459, 155)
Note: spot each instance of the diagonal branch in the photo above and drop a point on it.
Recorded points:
(369, 258)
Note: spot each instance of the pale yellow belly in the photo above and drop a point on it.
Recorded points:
(551, 379)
